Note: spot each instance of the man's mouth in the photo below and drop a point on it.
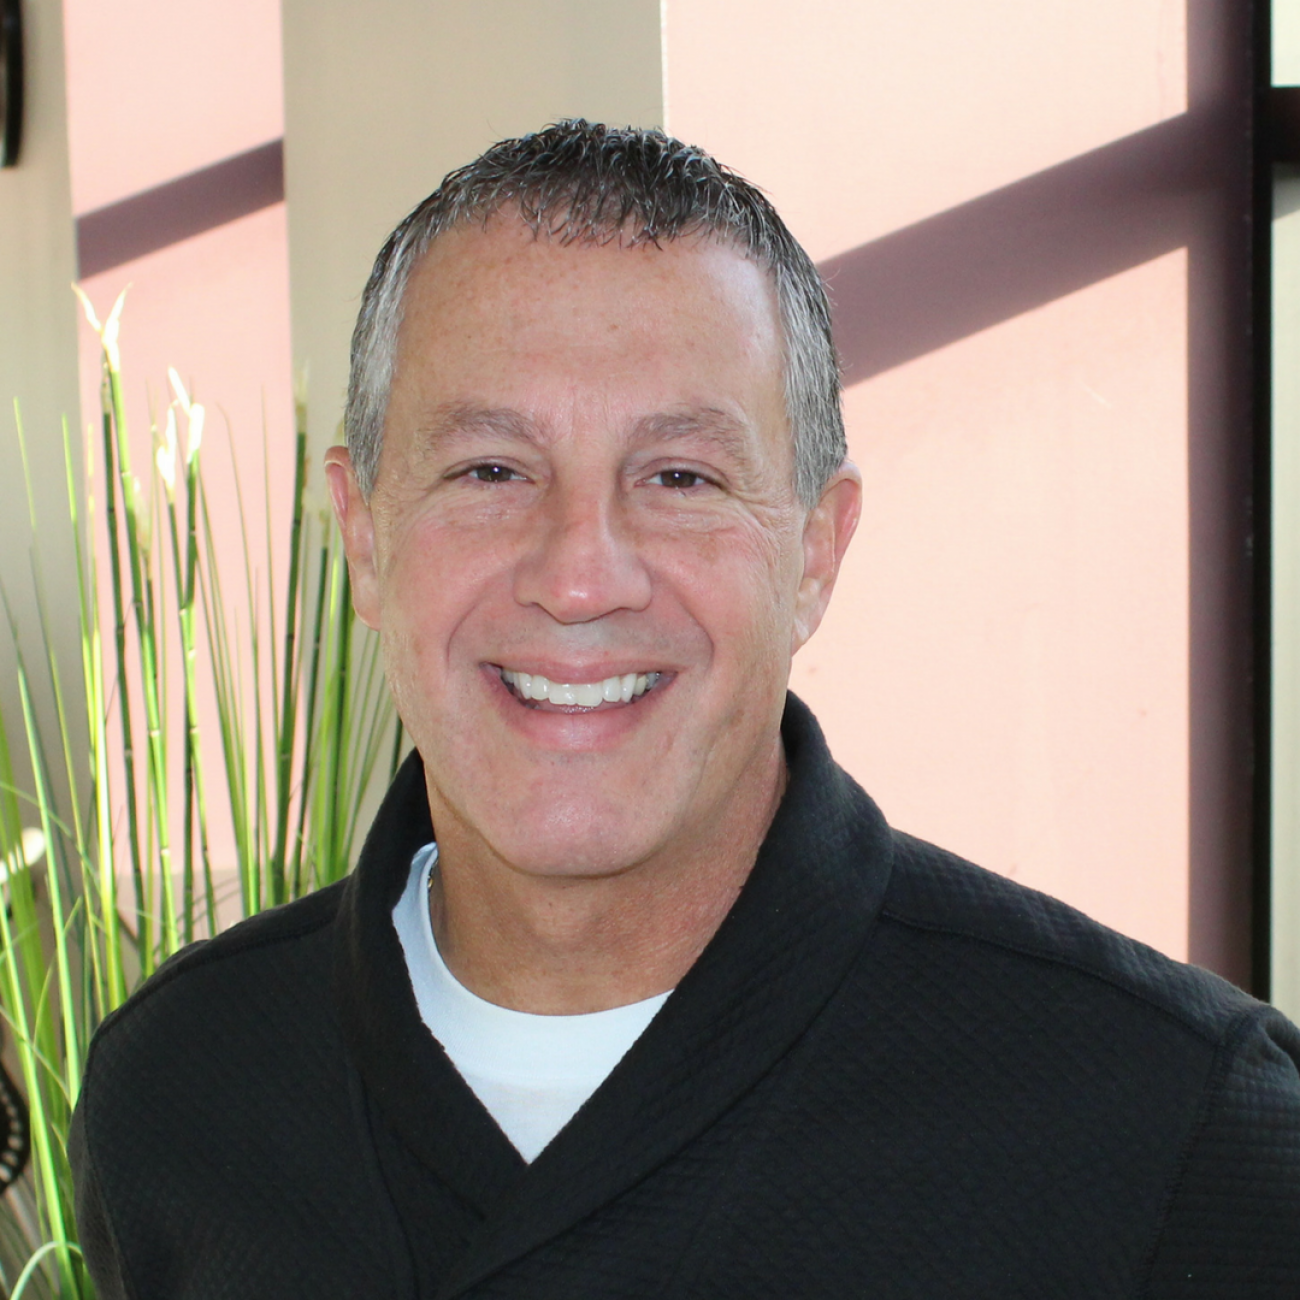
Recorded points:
(539, 691)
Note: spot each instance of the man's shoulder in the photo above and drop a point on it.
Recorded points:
(221, 1093)
(937, 892)
(259, 972)
(1150, 1077)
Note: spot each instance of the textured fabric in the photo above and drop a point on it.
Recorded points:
(531, 1072)
(890, 1074)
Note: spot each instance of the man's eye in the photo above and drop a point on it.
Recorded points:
(679, 478)
(493, 473)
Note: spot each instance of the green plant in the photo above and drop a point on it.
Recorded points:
(303, 724)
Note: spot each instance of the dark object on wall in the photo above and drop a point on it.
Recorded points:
(15, 1132)
(11, 81)
(1283, 122)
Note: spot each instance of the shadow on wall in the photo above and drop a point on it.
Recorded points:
(947, 277)
(1184, 183)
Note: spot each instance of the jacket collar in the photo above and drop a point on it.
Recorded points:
(785, 947)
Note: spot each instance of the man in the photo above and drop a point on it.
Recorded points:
(633, 992)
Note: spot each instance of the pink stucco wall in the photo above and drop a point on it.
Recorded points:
(1005, 665)
(157, 90)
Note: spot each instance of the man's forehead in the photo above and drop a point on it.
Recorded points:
(499, 284)
(512, 337)
(505, 235)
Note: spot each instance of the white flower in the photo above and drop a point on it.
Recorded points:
(109, 329)
(109, 335)
(88, 308)
(195, 439)
(165, 456)
(179, 389)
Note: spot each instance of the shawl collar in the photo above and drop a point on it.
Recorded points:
(795, 929)
(406, 1072)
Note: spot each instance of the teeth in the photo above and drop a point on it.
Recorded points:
(533, 686)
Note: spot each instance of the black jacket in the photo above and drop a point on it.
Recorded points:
(891, 1074)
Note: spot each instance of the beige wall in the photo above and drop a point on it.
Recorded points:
(1286, 42)
(382, 97)
(38, 360)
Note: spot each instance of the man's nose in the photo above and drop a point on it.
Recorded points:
(582, 561)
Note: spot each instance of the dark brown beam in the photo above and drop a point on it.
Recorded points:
(1283, 123)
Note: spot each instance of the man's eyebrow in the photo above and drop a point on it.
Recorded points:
(707, 423)
(448, 424)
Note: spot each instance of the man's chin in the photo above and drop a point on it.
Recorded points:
(584, 848)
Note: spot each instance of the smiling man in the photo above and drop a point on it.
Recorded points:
(633, 992)
(583, 546)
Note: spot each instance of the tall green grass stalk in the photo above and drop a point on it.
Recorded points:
(104, 883)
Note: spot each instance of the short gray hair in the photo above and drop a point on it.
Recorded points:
(581, 181)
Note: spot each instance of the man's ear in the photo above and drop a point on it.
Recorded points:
(826, 534)
(358, 528)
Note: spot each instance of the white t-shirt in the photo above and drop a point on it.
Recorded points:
(530, 1072)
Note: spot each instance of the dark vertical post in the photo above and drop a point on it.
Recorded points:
(1225, 746)
(1261, 292)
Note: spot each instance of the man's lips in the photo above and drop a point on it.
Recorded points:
(540, 692)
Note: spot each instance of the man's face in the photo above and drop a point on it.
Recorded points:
(587, 478)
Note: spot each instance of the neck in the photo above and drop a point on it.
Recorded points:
(567, 945)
